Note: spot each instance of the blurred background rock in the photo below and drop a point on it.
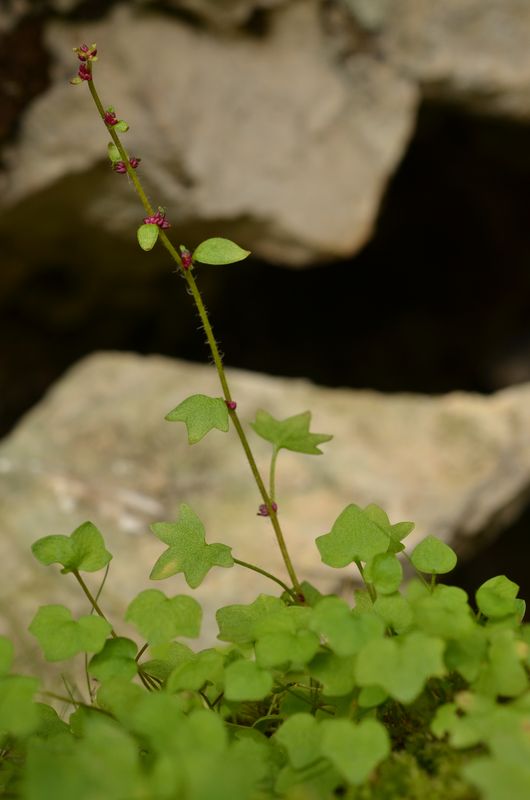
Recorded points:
(373, 154)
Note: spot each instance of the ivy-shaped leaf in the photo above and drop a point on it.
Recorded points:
(61, 637)
(354, 536)
(191, 675)
(433, 556)
(116, 660)
(147, 235)
(355, 750)
(159, 618)
(286, 648)
(188, 552)
(291, 433)
(245, 681)
(219, 251)
(200, 414)
(84, 550)
(237, 623)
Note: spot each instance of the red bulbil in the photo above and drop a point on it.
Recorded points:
(158, 219)
(84, 73)
(110, 117)
(133, 161)
(185, 257)
(231, 404)
(263, 511)
(120, 167)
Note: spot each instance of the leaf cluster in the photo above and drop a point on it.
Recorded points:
(411, 690)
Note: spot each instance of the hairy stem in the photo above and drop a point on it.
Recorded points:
(192, 286)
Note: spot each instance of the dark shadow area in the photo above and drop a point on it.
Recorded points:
(507, 555)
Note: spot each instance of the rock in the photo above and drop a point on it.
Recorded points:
(293, 159)
(288, 138)
(98, 448)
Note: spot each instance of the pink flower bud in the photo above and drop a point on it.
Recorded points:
(133, 161)
(120, 167)
(231, 404)
(86, 52)
(263, 511)
(158, 219)
(185, 257)
(84, 73)
(110, 117)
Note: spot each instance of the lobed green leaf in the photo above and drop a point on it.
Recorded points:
(62, 637)
(188, 552)
(83, 551)
(201, 414)
(159, 618)
(291, 433)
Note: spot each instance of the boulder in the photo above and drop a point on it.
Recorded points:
(98, 447)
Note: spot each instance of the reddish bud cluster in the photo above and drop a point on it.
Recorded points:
(110, 118)
(119, 166)
(86, 52)
(185, 257)
(231, 404)
(158, 219)
(263, 510)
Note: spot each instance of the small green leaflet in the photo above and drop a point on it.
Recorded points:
(200, 414)
(245, 681)
(18, 712)
(385, 572)
(121, 126)
(160, 618)
(82, 551)
(188, 551)
(147, 235)
(62, 637)
(496, 597)
(238, 623)
(355, 750)
(433, 556)
(291, 433)
(400, 666)
(219, 251)
(300, 734)
(116, 660)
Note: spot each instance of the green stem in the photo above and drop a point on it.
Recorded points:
(369, 586)
(211, 343)
(264, 572)
(92, 600)
(272, 475)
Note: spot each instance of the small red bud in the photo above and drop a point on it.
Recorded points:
(263, 510)
(231, 404)
(110, 117)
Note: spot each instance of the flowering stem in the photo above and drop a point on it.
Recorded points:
(192, 286)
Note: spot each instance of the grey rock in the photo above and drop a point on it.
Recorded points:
(98, 447)
(266, 139)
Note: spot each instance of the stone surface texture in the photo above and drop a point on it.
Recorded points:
(286, 137)
(98, 448)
